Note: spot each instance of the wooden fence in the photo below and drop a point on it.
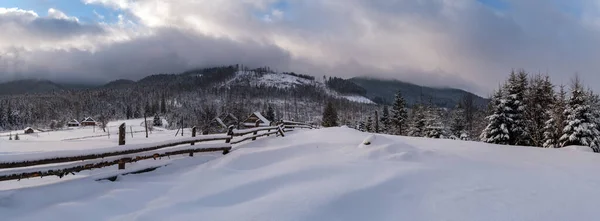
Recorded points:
(70, 162)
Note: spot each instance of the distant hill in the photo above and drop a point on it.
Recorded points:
(384, 91)
(121, 83)
(29, 86)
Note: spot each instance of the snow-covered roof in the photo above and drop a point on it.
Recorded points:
(73, 121)
(220, 122)
(262, 118)
(28, 128)
(88, 119)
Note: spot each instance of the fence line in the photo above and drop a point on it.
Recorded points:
(69, 162)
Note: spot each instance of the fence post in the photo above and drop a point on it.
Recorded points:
(256, 132)
(281, 130)
(146, 124)
(121, 164)
(229, 133)
(193, 135)
(122, 134)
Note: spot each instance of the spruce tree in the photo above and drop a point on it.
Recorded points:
(385, 120)
(330, 117)
(399, 119)
(580, 129)
(369, 124)
(434, 127)
(157, 122)
(376, 125)
(556, 123)
(361, 126)
(516, 93)
(270, 115)
(540, 102)
(418, 121)
(497, 131)
(458, 122)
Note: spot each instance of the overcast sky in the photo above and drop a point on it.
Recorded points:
(469, 44)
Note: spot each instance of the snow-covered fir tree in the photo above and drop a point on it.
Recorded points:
(330, 117)
(361, 126)
(369, 124)
(540, 102)
(553, 129)
(434, 127)
(398, 122)
(497, 131)
(376, 127)
(580, 129)
(418, 121)
(385, 120)
(458, 123)
(516, 92)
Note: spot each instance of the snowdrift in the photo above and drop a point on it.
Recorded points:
(329, 174)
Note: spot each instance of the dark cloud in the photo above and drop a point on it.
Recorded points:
(166, 51)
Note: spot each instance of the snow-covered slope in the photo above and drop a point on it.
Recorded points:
(329, 174)
(283, 81)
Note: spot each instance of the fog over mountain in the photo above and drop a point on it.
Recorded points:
(467, 44)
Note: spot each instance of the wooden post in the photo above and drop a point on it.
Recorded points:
(182, 127)
(131, 130)
(229, 133)
(122, 134)
(281, 131)
(256, 132)
(146, 125)
(121, 164)
(193, 135)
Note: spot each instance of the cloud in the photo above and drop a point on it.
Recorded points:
(456, 43)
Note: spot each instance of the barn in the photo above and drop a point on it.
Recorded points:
(29, 130)
(88, 122)
(256, 116)
(221, 123)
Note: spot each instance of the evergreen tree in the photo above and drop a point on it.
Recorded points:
(458, 122)
(385, 120)
(157, 122)
(330, 117)
(497, 130)
(434, 127)
(270, 114)
(418, 123)
(369, 125)
(362, 127)
(163, 105)
(556, 123)
(376, 125)
(580, 129)
(540, 102)
(17, 137)
(516, 93)
(399, 119)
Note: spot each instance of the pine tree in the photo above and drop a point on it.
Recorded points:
(361, 126)
(516, 92)
(556, 123)
(330, 117)
(418, 122)
(270, 114)
(163, 105)
(369, 124)
(398, 122)
(17, 137)
(497, 131)
(458, 122)
(580, 129)
(540, 102)
(434, 127)
(157, 122)
(385, 120)
(376, 125)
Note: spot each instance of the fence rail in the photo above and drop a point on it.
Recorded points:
(61, 163)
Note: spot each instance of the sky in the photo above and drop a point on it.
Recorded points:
(467, 44)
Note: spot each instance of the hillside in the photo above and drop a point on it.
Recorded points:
(29, 86)
(385, 91)
(328, 175)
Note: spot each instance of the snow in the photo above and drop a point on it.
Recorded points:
(328, 174)
(284, 81)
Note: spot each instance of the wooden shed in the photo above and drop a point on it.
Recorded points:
(256, 116)
(73, 123)
(29, 130)
(88, 122)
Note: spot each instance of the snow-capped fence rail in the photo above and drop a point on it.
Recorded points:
(61, 163)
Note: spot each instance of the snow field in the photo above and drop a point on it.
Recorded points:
(328, 174)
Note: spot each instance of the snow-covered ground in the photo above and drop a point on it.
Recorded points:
(329, 174)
